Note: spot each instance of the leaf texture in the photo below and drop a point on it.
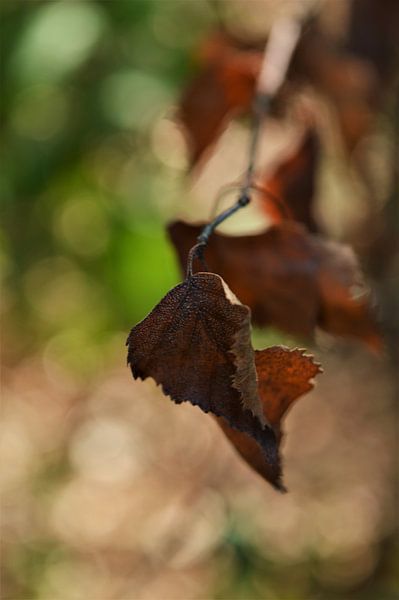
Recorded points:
(196, 345)
(283, 375)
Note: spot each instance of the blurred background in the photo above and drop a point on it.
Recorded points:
(109, 491)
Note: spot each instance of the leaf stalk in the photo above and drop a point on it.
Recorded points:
(278, 52)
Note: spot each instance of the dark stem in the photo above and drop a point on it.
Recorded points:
(243, 200)
(261, 108)
(281, 43)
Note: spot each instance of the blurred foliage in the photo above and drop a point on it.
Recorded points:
(109, 492)
(84, 191)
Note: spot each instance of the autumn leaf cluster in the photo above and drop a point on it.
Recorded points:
(196, 343)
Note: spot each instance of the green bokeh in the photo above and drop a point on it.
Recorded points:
(82, 193)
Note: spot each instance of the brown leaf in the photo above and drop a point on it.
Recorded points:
(289, 278)
(345, 305)
(223, 88)
(349, 82)
(283, 376)
(196, 345)
(293, 183)
(351, 72)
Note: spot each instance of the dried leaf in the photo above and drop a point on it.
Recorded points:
(293, 183)
(188, 343)
(283, 376)
(196, 345)
(223, 88)
(289, 278)
(352, 73)
(350, 83)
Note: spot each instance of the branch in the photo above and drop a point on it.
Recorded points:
(276, 58)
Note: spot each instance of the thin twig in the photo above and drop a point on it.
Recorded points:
(260, 188)
(276, 58)
(243, 200)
